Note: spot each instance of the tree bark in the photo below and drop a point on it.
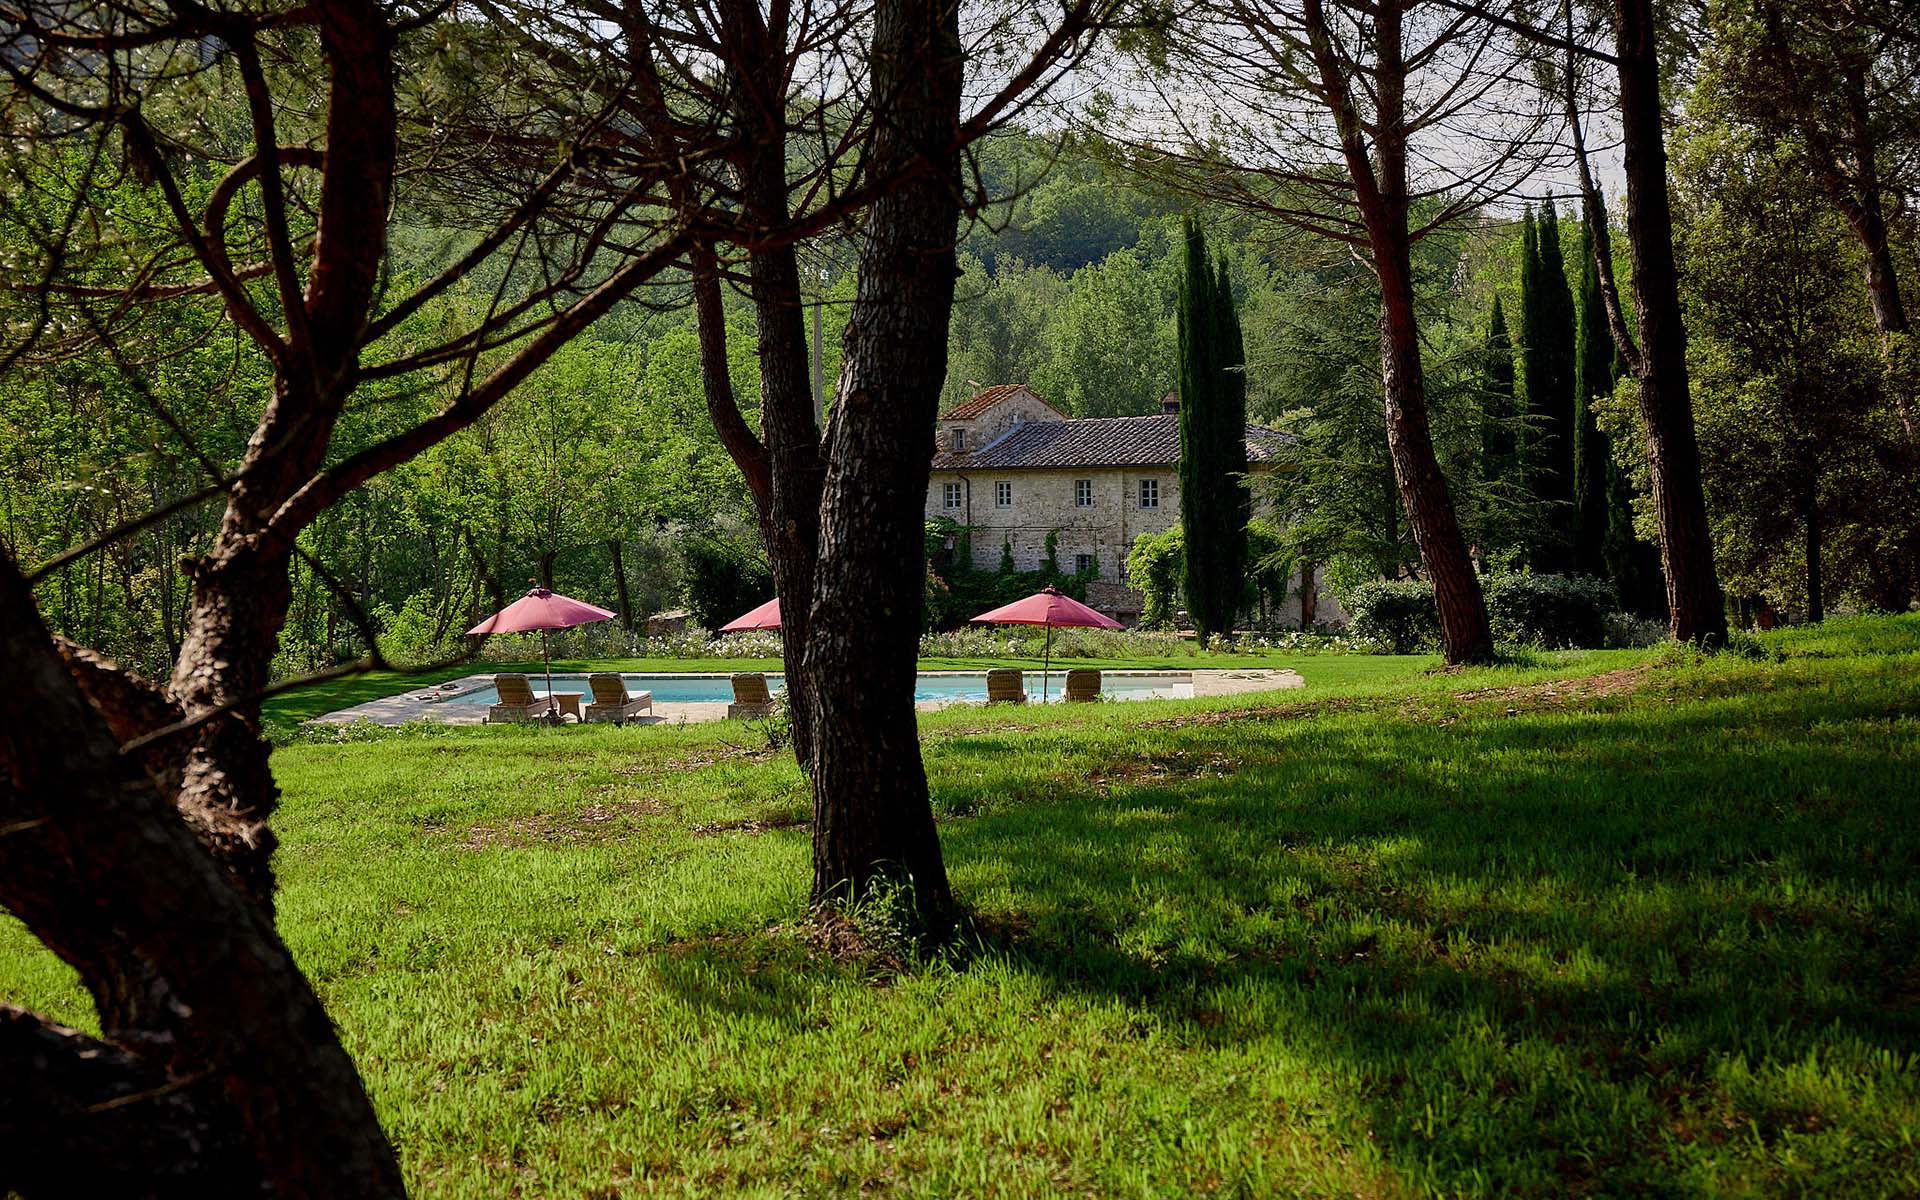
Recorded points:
(186, 970)
(793, 450)
(241, 587)
(790, 519)
(1465, 633)
(873, 817)
(1380, 192)
(1695, 606)
(622, 596)
(1816, 601)
(788, 529)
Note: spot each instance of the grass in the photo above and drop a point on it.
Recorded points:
(1593, 924)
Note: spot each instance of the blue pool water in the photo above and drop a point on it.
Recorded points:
(682, 689)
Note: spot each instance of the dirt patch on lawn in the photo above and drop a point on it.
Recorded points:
(695, 762)
(1557, 692)
(1160, 767)
(762, 822)
(582, 826)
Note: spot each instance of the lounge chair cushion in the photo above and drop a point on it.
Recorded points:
(515, 690)
(1083, 683)
(612, 701)
(750, 696)
(1005, 685)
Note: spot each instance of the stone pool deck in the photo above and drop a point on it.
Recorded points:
(435, 704)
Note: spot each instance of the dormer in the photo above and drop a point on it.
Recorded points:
(991, 414)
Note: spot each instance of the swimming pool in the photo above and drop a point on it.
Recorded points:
(937, 687)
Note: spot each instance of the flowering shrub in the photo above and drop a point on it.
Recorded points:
(1309, 641)
(1029, 641)
(607, 639)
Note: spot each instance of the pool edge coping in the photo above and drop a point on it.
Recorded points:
(415, 704)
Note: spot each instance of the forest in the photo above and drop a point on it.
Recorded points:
(603, 475)
(331, 327)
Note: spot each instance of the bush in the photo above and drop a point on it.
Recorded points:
(1397, 613)
(1625, 631)
(1557, 612)
(605, 640)
(1155, 566)
(1029, 641)
(723, 582)
(410, 637)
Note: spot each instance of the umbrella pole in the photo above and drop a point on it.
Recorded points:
(1046, 665)
(546, 660)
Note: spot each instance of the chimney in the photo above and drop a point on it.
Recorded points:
(1170, 403)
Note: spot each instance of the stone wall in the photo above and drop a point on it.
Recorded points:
(990, 426)
(1045, 501)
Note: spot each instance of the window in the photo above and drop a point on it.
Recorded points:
(1003, 494)
(1083, 563)
(950, 495)
(1083, 493)
(959, 440)
(1149, 493)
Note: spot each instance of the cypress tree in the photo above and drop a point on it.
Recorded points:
(1499, 448)
(1530, 367)
(1230, 426)
(1592, 457)
(1547, 338)
(1497, 445)
(1558, 330)
(1212, 440)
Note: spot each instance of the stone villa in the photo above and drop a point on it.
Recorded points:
(1014, 469)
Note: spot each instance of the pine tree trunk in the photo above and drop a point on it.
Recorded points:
(1865, 213)
(1695, 606)
(873, 817)
(1816, 602)
(1380, 190)
(793, 470)
(622, 595)
(202, 1009)
(797, 470)
(1465, 634)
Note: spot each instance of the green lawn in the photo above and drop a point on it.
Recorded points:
(1477, 933)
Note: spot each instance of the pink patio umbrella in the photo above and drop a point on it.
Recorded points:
(767, 616)
(1049, 607)
(542, 609)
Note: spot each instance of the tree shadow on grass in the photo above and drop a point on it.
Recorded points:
(1578, 951)
(765, 978)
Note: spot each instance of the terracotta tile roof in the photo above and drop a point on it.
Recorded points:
(967, 410)
(1097, 442)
